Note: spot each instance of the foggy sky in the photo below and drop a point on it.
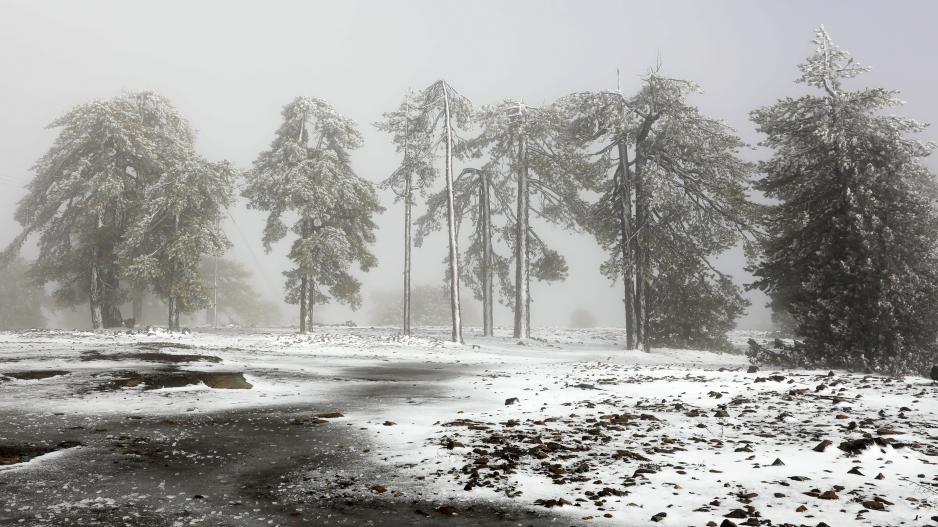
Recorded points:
(229, 67)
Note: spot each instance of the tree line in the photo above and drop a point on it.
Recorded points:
(122, 203)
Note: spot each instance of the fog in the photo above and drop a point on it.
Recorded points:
(229, 67)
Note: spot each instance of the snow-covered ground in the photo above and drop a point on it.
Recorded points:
(566, 424)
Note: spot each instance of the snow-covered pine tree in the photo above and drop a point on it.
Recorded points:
(480, 196)
(851, 245)
(414, 139)
(442, 111)
(307, 172)
(79, 200)
(178, 220)
(672, 195)
(518, 142)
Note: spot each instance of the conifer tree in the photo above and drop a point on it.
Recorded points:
(442, 111)
(84, 189)
(307, 172)
(672, 194)
(413, 138)
(518, 141)
(850, 251)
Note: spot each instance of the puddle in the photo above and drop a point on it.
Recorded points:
(221, 380)
(13, 454)
(33, 375)
(149, 356)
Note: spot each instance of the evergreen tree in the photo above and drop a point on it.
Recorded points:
(519, 142)
(414, 139)
(480, 195)
(177, 221)
(84, 189)
(671, 192)
(850, 251)
(307, 172)
(442, 112)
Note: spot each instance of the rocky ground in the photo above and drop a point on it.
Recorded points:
(363, 427)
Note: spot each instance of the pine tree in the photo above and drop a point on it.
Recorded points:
(308, 172)
(519, 143)
(672, 194)
(850, 251)
(177, 222)
(84, 189)
(442, 112)
(413, 138)
(480, 195)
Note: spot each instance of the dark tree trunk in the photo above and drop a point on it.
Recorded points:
(641, 258)
(304, 298)
(488, 297)
(625, 217)
(522, 291)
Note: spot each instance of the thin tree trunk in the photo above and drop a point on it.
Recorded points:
(641, 259)
(94, 288)
(408, 221)
(172, 307)
(487, 282)
(522, 287)
(625, 217)
(451, 223)
(303, 299)
(94, 296)
(310, 304)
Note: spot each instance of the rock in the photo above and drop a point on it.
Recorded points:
(874, 505)
(511, 401)
(737, 514)
(330, 415)
(934, 373)
(380, 489)
(855, 471)
(658, 517)
(829, 495)
(822, 446)
(801, 508)
(778, 463)
(727, 523)
(389, 423)
(752, 369)
(880, 476)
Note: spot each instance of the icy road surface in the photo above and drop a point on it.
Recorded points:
(358, 426)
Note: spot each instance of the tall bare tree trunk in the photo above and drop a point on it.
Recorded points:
(628, 269)
(451, 223)
(310, 304)
(94, 287)
(94, 294)
(522, 284)
(641, 258)
(304, 297)
(171, 315)
(408, 220)
(488, 295)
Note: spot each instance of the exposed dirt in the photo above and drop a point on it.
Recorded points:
(224, 380)
(151, 356)
(32, 375)
(13, 454)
